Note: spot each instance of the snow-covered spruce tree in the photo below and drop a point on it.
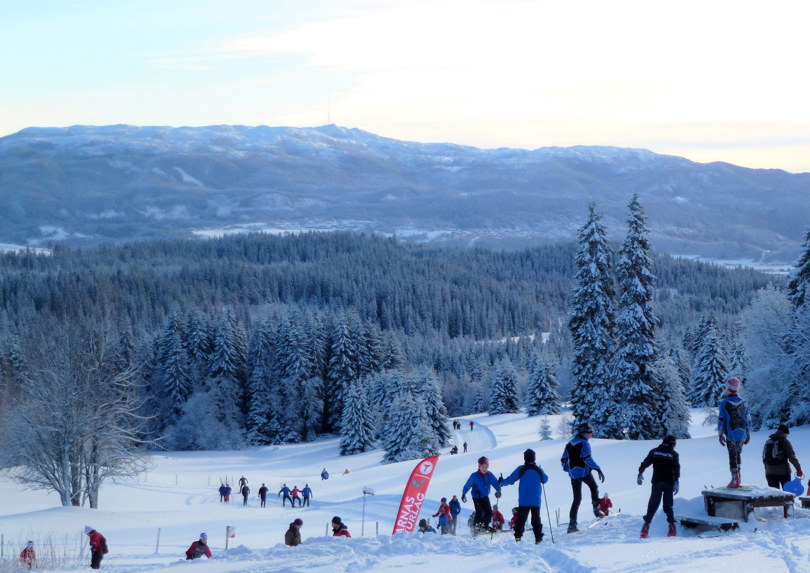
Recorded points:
(545, 429)
(311, 409)
(407, 434)
(227, 380)
(709, 372)
(672, 410)
(798, 339)
(262, 427)
(633, 364)
(503, 397)
(341, 371)
(175, 381)
(541, 389)
(357, 425)
(291, 368)
(798, 288)
(198, 343)
(426, 386)
(591, 325)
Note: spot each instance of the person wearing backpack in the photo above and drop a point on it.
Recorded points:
(578, 463)
(733, 427)
(776, 454)
(531, 477)
(199, 548)
(98, 547)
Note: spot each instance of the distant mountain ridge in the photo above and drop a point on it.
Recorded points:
(86, 185)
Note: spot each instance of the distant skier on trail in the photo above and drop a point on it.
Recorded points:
(296, 496)
(605, 504)
(733, 428)
(531, 477)
(263, 494)
(471, 425)
(480, 482)
(776, 454)
(577, 461)
(666, 473)
(286, 492)
(245, 494)
(307, 493)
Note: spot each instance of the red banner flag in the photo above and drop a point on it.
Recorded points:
(414, 495)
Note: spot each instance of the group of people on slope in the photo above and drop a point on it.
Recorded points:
(302, 496)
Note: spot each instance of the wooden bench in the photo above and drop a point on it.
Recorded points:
(805, 501)
(708, 522)
(738, 503)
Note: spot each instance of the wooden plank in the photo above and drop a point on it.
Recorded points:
(706, 521)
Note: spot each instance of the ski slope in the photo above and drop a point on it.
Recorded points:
(178, 497)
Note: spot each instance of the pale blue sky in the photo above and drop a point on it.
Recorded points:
(710, 80)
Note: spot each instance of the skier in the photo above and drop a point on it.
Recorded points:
(199, 548)
(605, 504)
(465, 447)
(471, 425)
(424, 527)
(242, 482)
(28, 557)
(263, 494)
(98, 547)
(497, 519)
(775, 456)
(296, 496)
(286, 491)
(577, 461)
(324, 474)
(445, 516)
(226, 493)
(455, 510)
(293, 535)
(245, 494)
(222, 491)
(307, 493)
(666, 473)
(733, 427)
(531, 477)
(480, 481)
(339, 529)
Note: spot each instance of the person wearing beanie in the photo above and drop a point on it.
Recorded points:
(293, 535)
(424, 527)
(455, 510)
(98, 546)
(733, 427)
(199, 548)
(776, 454)
(577, 461)
(339, 529)
(497, 518)
(480, 482)
(666, 473)
(530, 493)
(445, 516)
(605, 504)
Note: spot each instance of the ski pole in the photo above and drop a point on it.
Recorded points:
(550, 530)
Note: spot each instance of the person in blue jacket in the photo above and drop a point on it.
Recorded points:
(286, 492)
(531, 477)
(455, 511)
(733, 427)
(480, 481)
(577, 461)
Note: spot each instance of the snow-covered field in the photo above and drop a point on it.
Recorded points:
(178, 499)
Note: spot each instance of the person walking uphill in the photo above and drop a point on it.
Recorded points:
(733, 427)
(98, 547)
(245, 494)
(479, 482)
(775, 456)
(530, 491)
(577, 461)
(666, 473)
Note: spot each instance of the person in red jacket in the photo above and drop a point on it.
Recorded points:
(444, 515)
(28, 556)
(605, 504)
(339, 529)
(514, 518)
(296, 496)
(199, 548)
(497, 519)
(98, 547)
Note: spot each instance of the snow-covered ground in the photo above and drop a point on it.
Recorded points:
(178, 499)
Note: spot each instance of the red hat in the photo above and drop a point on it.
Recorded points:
(483, 460)
(733, 385)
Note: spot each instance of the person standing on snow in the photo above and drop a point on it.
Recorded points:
(445, 516)
(605, 504)
(666, 473)
(455, 510)
(307, 493)
(98, 547)
(733, 428)
(245, 494)
(480, 481)
(296, 496)
(286, 491)
(28, 557)
(531, 477)
(263, 494)
(775, 456)
(577, 461)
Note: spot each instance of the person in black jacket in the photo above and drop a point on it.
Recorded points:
(666, 473)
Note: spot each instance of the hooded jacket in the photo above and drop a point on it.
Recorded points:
(782, 469)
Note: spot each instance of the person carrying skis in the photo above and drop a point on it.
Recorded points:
(775, 456)
(199, 548)
(530, 491)
(98, 547)
(666, 473)
(605, 504)
(445, 516)
(286, 491)
(28, 557)
(733, 427)
(339, 529)
(263, 494)
(455, 510)
(577, 461)
(479, 482)
(307, 493)
(296, 496)
(497, 519)
(245, 494)
(293, 535)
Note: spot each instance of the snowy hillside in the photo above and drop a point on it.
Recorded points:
(179, 499)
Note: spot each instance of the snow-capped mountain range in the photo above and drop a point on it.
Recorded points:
(85, 185)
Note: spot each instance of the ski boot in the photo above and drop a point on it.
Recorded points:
(517, 538)
(672, 532)
(572, 528)
(597, 512)
(645, 530)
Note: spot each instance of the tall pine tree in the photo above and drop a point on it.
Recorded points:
(541, 389)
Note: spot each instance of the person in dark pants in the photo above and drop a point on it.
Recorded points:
(286, 491)
(480, 482)
(263, 495)
(307, 493)
(530, 491)
(666, 473)
(776, 454)
(98, 547)
(733, 427)
(245, 494)
(577, 461)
